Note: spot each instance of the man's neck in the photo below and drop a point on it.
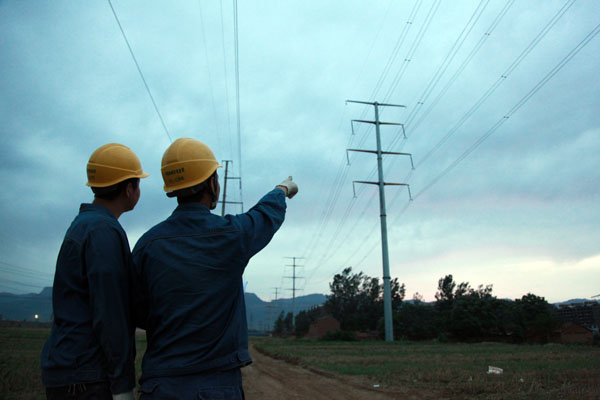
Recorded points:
(111, 205)
(204, 200)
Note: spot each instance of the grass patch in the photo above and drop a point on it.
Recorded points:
(20, 351)
(20, 376)
(457, 370)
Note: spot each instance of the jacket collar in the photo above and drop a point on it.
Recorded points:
(192, 207)
(89, 207)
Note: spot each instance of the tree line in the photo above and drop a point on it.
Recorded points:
(460, 312)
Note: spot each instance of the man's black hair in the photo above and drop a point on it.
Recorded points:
(112, 192)
(193, 194)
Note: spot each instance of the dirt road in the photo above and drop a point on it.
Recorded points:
(270, 379)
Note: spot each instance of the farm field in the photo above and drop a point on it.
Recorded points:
(373, 370)
(452, 370)
(20, 349)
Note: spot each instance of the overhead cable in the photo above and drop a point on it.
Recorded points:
(411, 127)
(237, 92)
(343, 170)
(25, 271)
(411, 52)
(511, 68)
(441, 70)
(226, 75)
(210, 79)
(499, 81)
(140, 71)
(514, 109)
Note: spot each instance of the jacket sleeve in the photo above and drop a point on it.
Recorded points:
(261, 222)
(108, 259)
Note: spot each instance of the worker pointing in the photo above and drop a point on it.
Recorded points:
(90, 351)
(188, 272)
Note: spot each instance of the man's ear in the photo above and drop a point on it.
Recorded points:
(214, 183)
(129, 190)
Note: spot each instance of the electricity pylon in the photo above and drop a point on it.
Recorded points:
(225, 179)
(387, 295)
(293, 289)
(270, 311)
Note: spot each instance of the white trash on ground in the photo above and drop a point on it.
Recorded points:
(494, 370)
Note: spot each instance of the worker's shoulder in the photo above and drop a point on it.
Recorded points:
(179, 227)
(86, 223)
(153, 233)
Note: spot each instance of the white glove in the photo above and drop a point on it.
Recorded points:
(123, 396)
(291, 187)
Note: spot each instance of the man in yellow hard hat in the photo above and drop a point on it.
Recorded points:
(91, 349)
(189, 271)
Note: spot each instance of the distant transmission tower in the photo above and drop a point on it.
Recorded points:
(225, 179)
(387, 295)
(293, 278)
(271, 311)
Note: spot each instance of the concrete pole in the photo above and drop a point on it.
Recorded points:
(387, 295)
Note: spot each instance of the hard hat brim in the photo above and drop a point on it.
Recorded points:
(140, 175)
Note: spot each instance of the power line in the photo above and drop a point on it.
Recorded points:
(464, 64)
(511, 68)
(237, 91)
(394, 54)
(395, 51)
(514, 109)
(210, 79)
(413, 49)
(441, 70)
(330, 250)
(343, 169)
(332, 201)
(226, 80)
(140, 71)
(17, 268)
(508, 114)
(13, 289)
(22, 284)
(410, 127)
(334, 194)
(390, 62)
(475, 145)
(468, 59)
(499, 81)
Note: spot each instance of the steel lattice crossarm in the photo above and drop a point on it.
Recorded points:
(385, 184)
(383, 152)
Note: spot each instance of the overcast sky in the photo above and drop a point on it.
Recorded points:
(502, 120)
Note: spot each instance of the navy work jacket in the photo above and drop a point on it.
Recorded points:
(190, 298)
(92, 336)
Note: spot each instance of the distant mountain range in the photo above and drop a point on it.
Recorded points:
(19, 307)
(261, 314)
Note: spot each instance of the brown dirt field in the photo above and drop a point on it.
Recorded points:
(270, 379)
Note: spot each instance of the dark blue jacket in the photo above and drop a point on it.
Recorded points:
(92, 336)
(191, 298)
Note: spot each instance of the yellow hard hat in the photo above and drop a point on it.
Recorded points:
(111, 164)
(186, 163)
